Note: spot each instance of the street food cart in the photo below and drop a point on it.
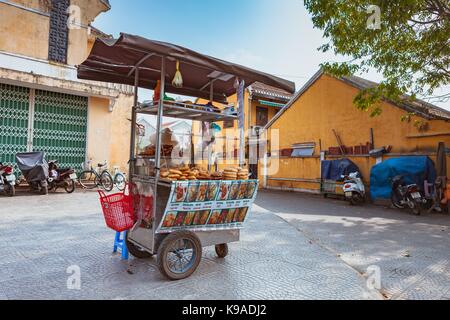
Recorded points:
(179, 208)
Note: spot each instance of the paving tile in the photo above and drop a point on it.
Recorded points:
(273, 261)
(411, 251)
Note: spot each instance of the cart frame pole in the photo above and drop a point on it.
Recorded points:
(133, 122)
(160, 118)
(158, 148)
(242, 147)
(210, 146)
(241, 126)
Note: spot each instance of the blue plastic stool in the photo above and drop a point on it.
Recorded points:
(120, 244)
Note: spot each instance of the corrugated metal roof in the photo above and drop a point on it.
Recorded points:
(99, 33)
(106, 3)
(115, 60)
(265, 91)
(419, 107)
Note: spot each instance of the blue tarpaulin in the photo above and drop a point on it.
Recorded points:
(415, 170)
(335, 169)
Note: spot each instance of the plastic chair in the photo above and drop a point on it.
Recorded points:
(120, 244)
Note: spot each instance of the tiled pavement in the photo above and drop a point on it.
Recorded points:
(413, 253)
(41, 237)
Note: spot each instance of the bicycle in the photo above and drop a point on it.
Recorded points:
(92, 178)
(120, 181)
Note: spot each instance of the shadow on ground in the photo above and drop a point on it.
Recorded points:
(412, 252)
(42, 236)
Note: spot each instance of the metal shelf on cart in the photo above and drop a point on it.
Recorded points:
(185, 111)
(162, 158)
(150, 179)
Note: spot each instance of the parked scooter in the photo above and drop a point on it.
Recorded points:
(61, 178)
(404, 195)
(354, 189)
(7, 180)
(35, 170)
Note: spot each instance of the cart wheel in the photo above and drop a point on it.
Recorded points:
(222, 250)
(135, 251)
(179, 255)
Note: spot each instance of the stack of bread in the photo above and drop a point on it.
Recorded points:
(182, 173)
(217, 176)
(186, 173)
(171, 175)
(230, 174)
(203, 174)
(235, 174)
(242, 174)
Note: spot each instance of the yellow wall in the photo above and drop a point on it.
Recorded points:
(327, 105)
(231, 134)
(109, 132)
(42, 5)
(28, 32)
(99, 124)
(119, 149)
(79, 46)
(23, 32)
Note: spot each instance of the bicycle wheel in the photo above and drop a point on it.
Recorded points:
(88, 180)
(107, 181)
(120, 181)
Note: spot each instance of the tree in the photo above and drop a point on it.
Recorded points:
(405, 40)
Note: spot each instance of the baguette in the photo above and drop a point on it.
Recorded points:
(164, 174)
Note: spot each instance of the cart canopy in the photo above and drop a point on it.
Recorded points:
(115, 60)
(414, 169)
(335, 169)
(33, 166)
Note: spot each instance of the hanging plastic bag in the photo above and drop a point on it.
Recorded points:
(177, 81)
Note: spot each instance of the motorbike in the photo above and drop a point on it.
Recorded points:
(354, 189)
(61, 178)
(34, 168)
(7, 180)
(407, 195)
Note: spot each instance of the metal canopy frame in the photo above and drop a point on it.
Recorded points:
(116, 60)
(158, 111)
(185, 111)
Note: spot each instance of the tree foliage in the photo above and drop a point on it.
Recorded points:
(410, 47)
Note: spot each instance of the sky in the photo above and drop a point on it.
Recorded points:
(274, 36)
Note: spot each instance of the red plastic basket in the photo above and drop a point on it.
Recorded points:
(117, 210)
